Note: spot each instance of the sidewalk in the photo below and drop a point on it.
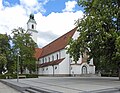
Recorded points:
(6, 89)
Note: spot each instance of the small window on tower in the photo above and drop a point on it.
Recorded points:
(32, 26)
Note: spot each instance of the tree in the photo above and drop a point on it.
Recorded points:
(99, 33)
(4, 52)
(3, 62)
(24, 44)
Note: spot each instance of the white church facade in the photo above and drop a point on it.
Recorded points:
(53, 59)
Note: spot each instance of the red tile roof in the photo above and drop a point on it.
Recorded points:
(56, 62)
(58, 44)
(38, 52)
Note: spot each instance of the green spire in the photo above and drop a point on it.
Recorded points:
(32, 16)
(31, 19)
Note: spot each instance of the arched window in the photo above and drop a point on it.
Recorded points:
(49, 59)
(39, 61)
(45, 59)
(32, 26)
(57, 56)
(52, 58)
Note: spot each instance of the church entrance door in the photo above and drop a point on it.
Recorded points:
(84, 70)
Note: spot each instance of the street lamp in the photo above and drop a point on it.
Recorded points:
(18, 68)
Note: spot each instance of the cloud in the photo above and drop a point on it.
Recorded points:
(50, 27)
(33, 5)
(70, 5)
(48, 36)
(45, 37)
(10, 18)
(56, 23)
(30, 3)
(1, 6)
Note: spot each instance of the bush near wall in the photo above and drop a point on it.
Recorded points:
(31, 75)
(14, 76)
(109, 75)
(8, 76)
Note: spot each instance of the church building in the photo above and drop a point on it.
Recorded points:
(53, 59)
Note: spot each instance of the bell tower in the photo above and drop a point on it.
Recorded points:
(31, 27)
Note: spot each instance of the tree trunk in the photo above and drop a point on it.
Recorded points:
(0, 70)
(119, 73)
(21, 69)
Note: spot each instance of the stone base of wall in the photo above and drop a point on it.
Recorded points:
(56, 75)
(70, 75)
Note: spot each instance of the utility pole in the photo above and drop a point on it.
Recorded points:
(18, 68)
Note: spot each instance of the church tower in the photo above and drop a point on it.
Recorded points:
(31, 27)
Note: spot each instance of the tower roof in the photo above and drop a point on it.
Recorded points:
(31, 19)
(32, 16)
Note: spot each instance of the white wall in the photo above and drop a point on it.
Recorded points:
(91, 62)
(75, 69)
(33, 32)
(29, 25)
(64, 66)
(50, 56)
(92, 69)
(56, 69)
(40, 71)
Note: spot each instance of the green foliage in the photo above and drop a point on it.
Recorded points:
(24, 44)
(73, 50)
(3, 61)
(9, 47)
(109, 75)
(8, 76)
(31, 75)
(5, 52)
(99, 33)
(14, 76)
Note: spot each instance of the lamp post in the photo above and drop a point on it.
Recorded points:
(18, 67)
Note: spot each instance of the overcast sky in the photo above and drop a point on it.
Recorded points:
(54, 17)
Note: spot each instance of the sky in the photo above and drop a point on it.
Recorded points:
(54, 17)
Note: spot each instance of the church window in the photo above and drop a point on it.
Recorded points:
(55, 67)
(52, 58)
(32, 26)
(39, 61)
(57, 56)
(49, 59)
(45, 59)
